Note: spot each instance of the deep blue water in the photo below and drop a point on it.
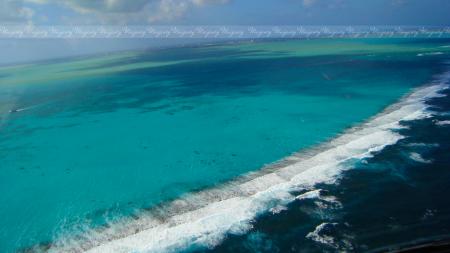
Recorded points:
(395, 199)
(151, 147)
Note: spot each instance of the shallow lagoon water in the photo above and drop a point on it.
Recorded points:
(91, 140)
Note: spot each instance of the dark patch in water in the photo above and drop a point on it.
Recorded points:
(388, 201)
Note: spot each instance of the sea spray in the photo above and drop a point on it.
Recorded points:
(204, 218)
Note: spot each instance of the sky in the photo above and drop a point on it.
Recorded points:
(197, 12)
(226, 12)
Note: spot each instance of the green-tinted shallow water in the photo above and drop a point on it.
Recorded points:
(89, 140)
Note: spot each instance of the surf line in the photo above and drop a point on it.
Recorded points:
(205, 218)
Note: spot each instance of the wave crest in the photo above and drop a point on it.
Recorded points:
(204, 218)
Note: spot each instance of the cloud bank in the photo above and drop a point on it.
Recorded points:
(105, 11)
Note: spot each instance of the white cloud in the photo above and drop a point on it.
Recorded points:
(168, 10)
(399, 2)
(308, 3)
(14, 11)
(103, 6)
(204, 2)
(330, 4)
(107, 11)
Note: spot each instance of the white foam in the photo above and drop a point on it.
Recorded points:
(315, 194)
(442, 122)
(418, 158)
(7, 106)
(317, 235)
(428, 145)
(324, 201)
(206, 217)
(277, 209)
(433, 53)
(20, 109)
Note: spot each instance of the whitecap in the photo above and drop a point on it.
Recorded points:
(418, 158)
(314, 194)
(425, 145)
(325, 201)
(442, 122)
(278, 209)
(429, 213)
(318, 236)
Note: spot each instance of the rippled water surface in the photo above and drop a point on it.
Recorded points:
(90, 142)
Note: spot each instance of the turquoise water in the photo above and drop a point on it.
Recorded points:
(86, 141)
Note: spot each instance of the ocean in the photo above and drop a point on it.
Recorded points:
(269, 146)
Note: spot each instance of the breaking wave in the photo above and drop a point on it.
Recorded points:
(205, 218)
